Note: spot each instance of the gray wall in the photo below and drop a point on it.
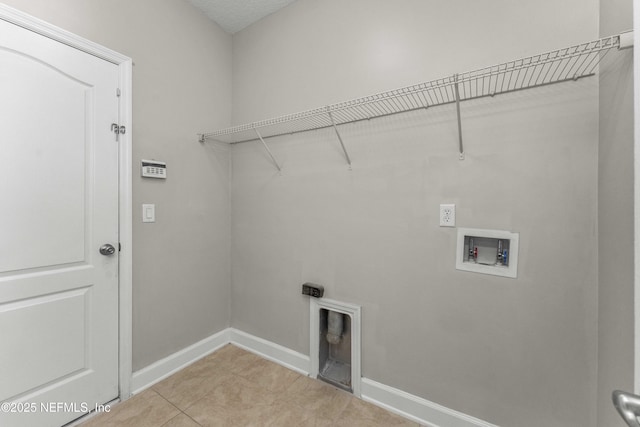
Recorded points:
(182, 86)
(523, 352)
(615, 216)
(513, 352)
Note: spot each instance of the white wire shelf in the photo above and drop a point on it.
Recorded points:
(567, 64)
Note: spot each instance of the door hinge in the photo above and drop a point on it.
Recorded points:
(119, 247)
(118, 130)
(118, 92)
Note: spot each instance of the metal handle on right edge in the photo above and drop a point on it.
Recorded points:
(628, 405)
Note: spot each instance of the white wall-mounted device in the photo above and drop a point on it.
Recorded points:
(148, 212)
(488, 252)
(154, 169)
(448, 215)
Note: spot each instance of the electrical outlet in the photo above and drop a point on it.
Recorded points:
(447, 215)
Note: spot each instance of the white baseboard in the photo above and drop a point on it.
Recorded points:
(416, 408)
(407, 405)
(276, 353)
(156, 372)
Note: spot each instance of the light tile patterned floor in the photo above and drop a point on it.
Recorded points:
(233, 387)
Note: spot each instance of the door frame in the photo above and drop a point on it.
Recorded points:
(125, 217)
(636, 191)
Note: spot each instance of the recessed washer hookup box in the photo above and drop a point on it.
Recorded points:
(492, 252)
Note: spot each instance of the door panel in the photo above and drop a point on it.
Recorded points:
(58, 205)
(64, 337)
(48, 226)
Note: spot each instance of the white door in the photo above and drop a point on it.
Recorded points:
(58, 206)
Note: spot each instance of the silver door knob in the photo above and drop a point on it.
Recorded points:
(628, 405)
(107, 249)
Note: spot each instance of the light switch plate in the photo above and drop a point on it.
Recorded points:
(447, 215)
(148, 213)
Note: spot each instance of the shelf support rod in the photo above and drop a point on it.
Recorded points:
(275, 162)
(460, 146)
(333, 123)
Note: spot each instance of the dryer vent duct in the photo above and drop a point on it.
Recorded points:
(335, 326)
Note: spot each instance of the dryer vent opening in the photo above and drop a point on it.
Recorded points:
(334, 358)
(335, 348)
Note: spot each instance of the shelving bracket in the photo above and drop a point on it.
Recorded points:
(626, 40)
(457, 90)
(344, 149)
(266, 147)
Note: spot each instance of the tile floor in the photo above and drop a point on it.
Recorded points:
(233, 387)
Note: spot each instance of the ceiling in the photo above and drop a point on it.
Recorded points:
(234, 15)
